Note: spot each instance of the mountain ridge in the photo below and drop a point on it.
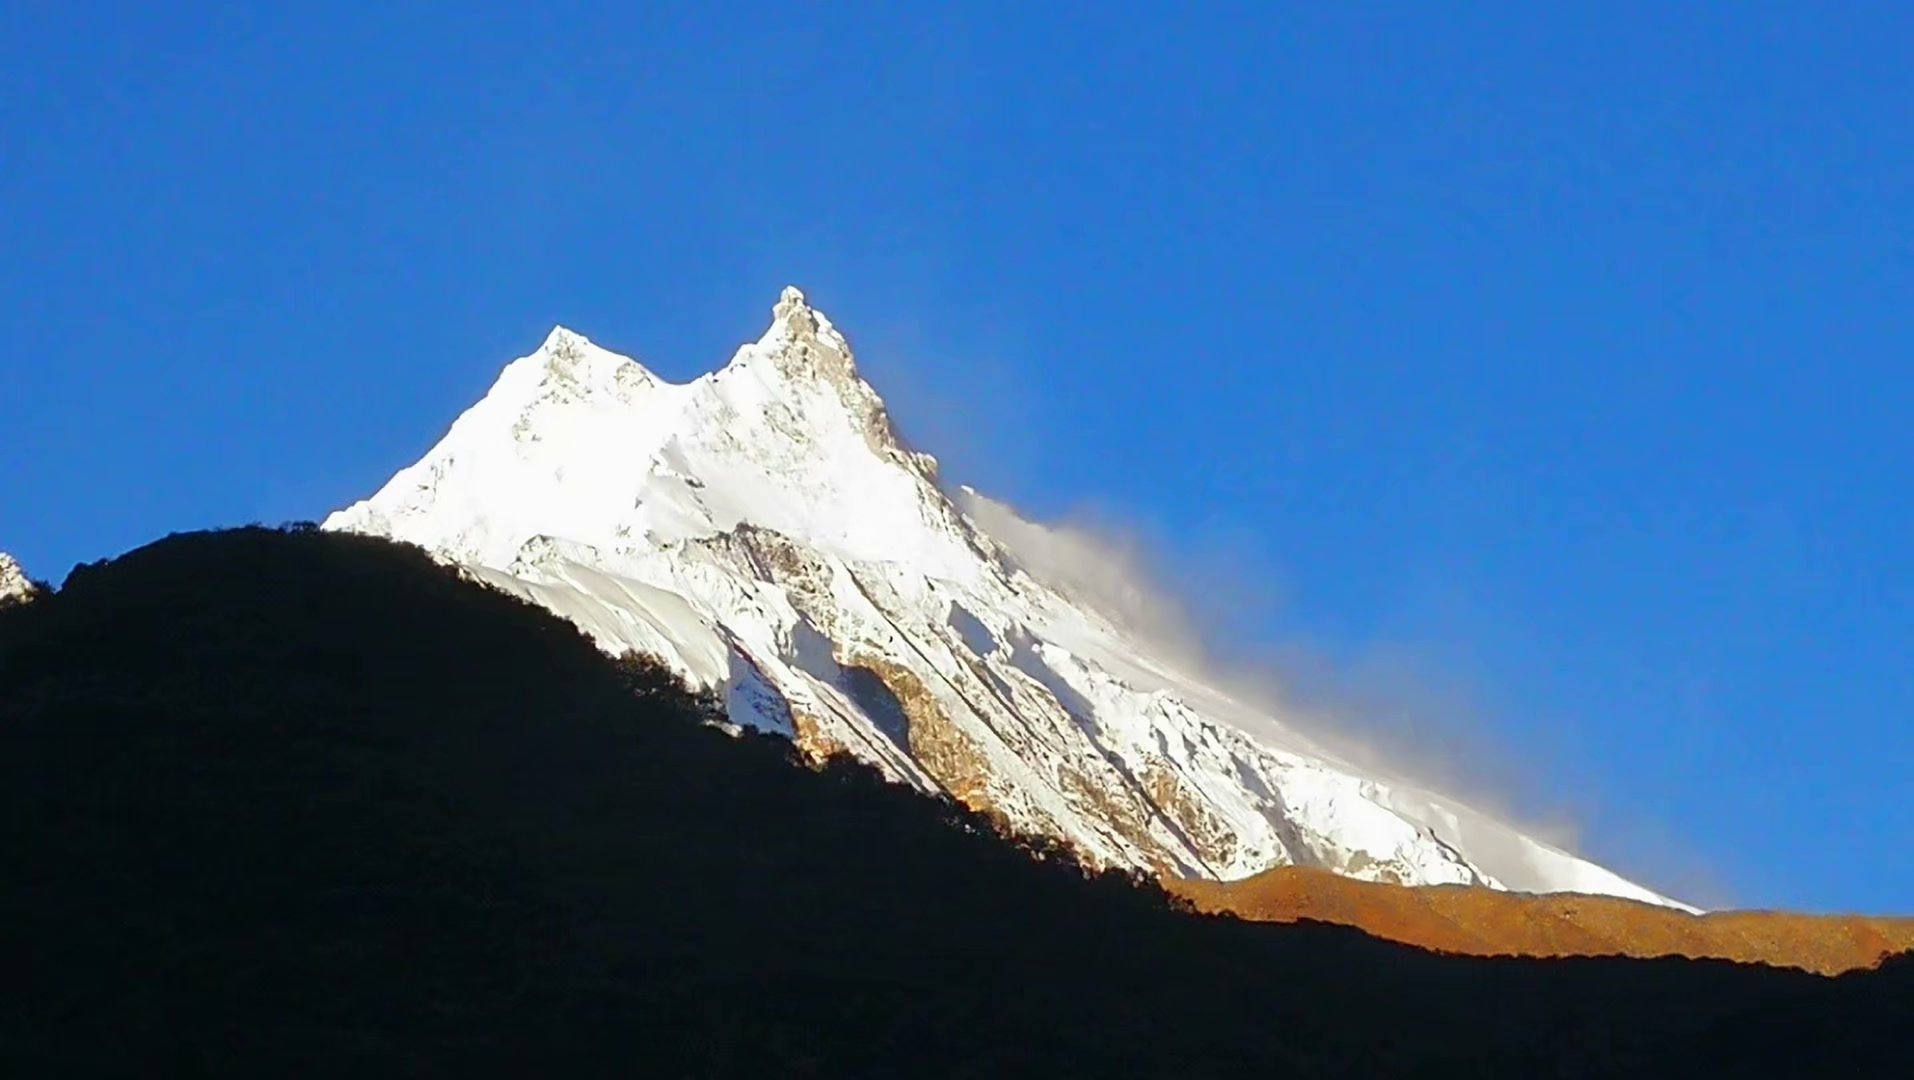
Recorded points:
(1482, 922)
(291, 801)
(764, 531)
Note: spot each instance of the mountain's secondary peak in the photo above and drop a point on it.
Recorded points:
(562, 347)
(566, 344)
(570, 365)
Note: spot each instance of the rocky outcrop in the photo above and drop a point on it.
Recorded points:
(15, 586)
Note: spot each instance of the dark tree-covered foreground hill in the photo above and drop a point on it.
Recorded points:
(303, 803)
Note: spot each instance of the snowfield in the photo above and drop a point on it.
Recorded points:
(762, 530)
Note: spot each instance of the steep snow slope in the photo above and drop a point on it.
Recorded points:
(762, 529)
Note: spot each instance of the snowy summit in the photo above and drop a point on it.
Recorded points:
(762, 530)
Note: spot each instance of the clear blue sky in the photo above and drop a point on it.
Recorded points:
(1564, 359)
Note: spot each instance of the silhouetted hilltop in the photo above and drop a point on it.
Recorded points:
(303, 802)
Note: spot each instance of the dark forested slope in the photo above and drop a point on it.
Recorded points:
(298, 802)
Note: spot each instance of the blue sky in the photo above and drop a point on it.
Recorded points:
(1550, 370)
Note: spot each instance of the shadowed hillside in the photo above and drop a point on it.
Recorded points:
(1484, 922)
(302, 803)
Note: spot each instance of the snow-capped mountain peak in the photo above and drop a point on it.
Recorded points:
(762, 529)
(794, 319)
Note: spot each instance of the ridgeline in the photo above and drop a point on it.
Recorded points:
(298, 802)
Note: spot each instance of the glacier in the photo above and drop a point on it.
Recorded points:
(763, 531)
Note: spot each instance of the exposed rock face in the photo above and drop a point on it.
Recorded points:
(899, 703)
(762, 530)
(15, 586)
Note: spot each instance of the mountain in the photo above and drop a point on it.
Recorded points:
(308, 803)
(15, 586)
(764, 532)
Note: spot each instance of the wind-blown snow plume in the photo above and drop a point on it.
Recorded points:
(1117, 573)
(1096, 567)
(1391, 713)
